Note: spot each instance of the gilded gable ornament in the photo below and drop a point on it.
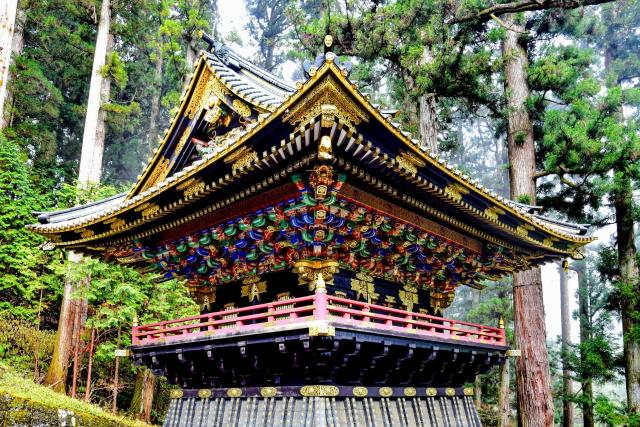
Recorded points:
(206, 93)
(326, 93)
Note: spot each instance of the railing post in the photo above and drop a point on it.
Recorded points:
(209, 320)
(270, 309)
(321, 310)
(409, 318)
(366, 309)
(503, 335)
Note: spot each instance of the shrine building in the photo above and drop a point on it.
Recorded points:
(322, 244)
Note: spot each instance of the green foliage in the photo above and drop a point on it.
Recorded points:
(23, 345)
(115, 70)
(27, 281)
(611, 413)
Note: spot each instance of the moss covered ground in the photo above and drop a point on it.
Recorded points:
(24, 403)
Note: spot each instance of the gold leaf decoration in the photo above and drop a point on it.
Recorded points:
(176, 394)
(328, 92)
(450, 391)
(410, 391)
(151, 210)
(319, 391)
(409, 162)
(268, 391)
(385, 391)
(492, 212)
(86, 233)
(195, 188)
(468, 391)
(360, 391)
(243, 109)
(432, 392)
(204, 393)
(158, 173)
(409, 296)
(249, 157)
(234, 392)
(455, 191)
(118, 223)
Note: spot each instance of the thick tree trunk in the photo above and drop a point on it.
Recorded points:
(16, 48)
(535, 404)
(428, 113)
(585, 335)
(565, 318)
(152, 134)
(57, 373)
(429, 122)
(142, 400)
(94, 124)
(504, 401)
(630, 280)
(8, 11)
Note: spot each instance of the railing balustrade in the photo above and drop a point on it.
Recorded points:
(321, 307)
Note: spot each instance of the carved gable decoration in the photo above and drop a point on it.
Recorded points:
(328, 92)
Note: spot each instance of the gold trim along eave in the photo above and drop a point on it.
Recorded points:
(189, 172)
(351, 87)
(184, 103)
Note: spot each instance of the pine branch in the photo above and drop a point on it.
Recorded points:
(522, 6)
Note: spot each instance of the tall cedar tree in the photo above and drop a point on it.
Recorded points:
(591, 148)
(268, 25)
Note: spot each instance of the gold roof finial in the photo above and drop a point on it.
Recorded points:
(328, 42)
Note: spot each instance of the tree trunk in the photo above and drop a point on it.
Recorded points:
(630, 281)
(94, 124)
(152, 134)
(57, 372)
(76, 348)
(116, 381)
(585, 335)
(477, 386)
(565, 317)
(504, 402)
(535, 404)
(87, 391)
(190, 60)
(16, 48)
(429, 122)
(8, 11)
(142, 400)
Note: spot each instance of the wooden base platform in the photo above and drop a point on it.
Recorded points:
(285, 409)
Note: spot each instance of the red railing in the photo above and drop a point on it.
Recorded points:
(319, 307)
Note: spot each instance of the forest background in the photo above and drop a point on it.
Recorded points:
(442, 64)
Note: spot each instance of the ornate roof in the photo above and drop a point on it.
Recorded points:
(241, 133)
